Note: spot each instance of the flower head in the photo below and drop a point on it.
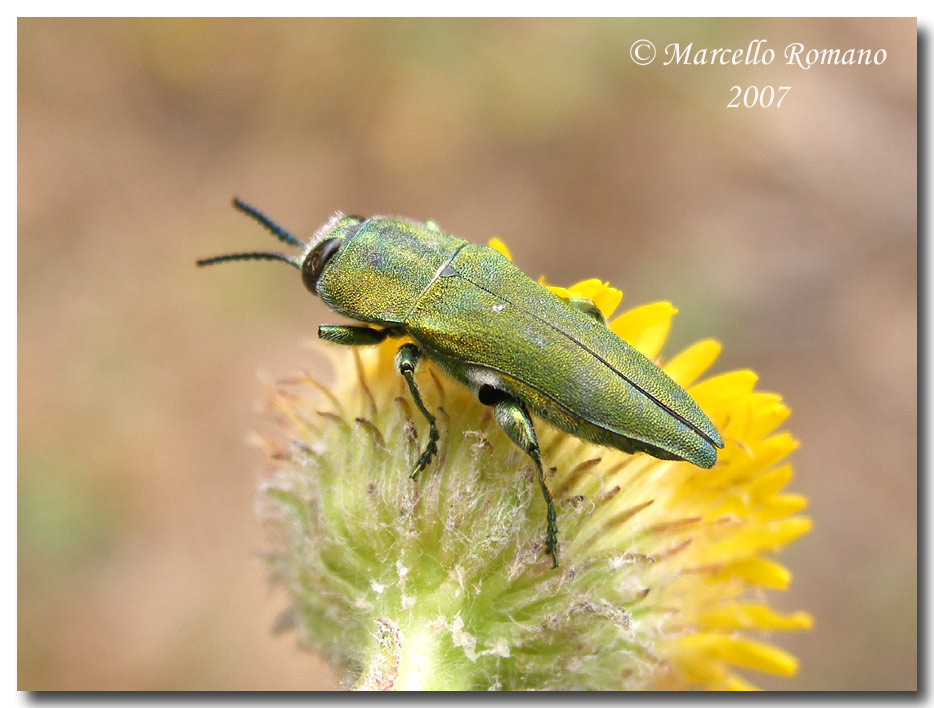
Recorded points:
(442, 582)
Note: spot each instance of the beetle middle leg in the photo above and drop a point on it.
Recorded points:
(406, 360)
(514, 418)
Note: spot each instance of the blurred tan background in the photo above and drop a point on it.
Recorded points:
(790, 234)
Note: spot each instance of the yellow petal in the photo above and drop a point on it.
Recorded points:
(768, 413)
(645, 327)
(761, 572)
(753, 415)
(754, 616)
(758, 538)
(607, 299)
(740, 463)
(601, 294)
(738, 651)
(563, 293)
(769, 483)
(763, 454)
(498, 245)
(738, 683)
(759, 656)
(780, 506)
(724, 386)
(587, 288)
(693, 361)
(693, 661)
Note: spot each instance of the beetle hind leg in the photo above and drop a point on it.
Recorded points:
(587, 306)
(406, 360)
(514, 418)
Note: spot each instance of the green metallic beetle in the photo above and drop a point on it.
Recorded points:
(517, 345)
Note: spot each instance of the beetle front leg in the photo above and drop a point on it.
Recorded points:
(351, 335)
(406, 360)
(513, 416)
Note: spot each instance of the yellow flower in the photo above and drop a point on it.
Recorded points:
(441, 582)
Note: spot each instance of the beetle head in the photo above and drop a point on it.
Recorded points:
(324, 245)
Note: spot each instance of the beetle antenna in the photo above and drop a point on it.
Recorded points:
(256, 256)
(276, 230)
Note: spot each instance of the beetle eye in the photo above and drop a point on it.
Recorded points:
(316, 260)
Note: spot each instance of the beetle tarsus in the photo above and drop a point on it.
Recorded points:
(551, 544)
(429, 452)
(406, 360)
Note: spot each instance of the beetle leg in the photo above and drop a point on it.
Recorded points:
(587, 306)
(513, 416)
(354, 336)
(406, 359)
